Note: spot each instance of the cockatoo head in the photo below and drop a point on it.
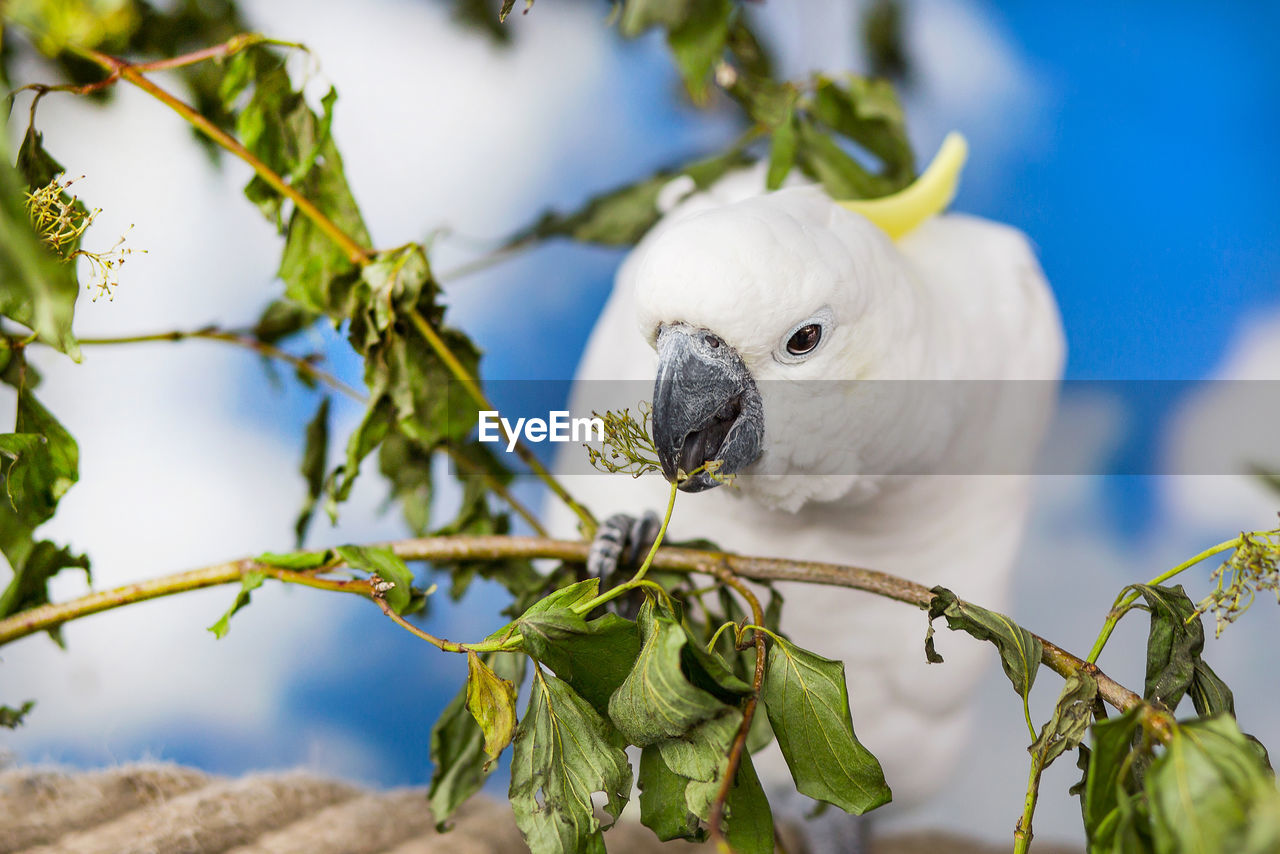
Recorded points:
(761, 311)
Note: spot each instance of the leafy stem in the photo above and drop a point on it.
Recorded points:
(469, 382)
(1125, 601)
(636, 580)
(715, 819)
(447, 646)
(303, 365)
(357, 254)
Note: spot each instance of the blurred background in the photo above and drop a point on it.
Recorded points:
(1133, 142)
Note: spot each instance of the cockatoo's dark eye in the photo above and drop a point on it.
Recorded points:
(804, 339)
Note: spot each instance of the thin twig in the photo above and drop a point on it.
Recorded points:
(239, 339)
(497, 487)
(1125, 600)
(355, 253)
(447, 646)
(445, 549)
(716, 818)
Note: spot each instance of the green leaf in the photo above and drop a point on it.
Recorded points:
(282, 319)
(54, 26)
(40, 289)
(570, 596)
(594, 660)
(867, 111)
(1108, 782)
(641, 15)
(406, 465)
(1070, 721)
(38, 464)
(37, 166)
(296, 560)
(313, 467)
(844, 178)
(11, 718)
(702, 756)
(564, 751)
(1210, 792)
(1173, 644)
(622, 216)
(782, 154)
(1209, 694)
(768, 102)
(1020, 650)
(807, 701)
(249, 582)
(657, 701)
(748, 818)
(492, 702)
(662, 806)
(280, 128)
(371, 430)
(412, 391)
(388, 566)
(699, 42)
(457, 745)
(315, 271)
(32, 570)
(37, 479)
(750, 55)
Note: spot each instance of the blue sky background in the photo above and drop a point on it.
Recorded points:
(1133, 142)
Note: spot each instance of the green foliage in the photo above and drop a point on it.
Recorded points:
(385, 564)
(492, 702)
(592, 657)
(279, 127)
(621, 217)
(1070, 721)
(1020, 650)
(1208, 790)
(676, 682)
(662, 805)
(564, 751)
(457, 744)
(657, 701)
(85, 23)
(11, 718)
(39, 462)
(249, 582)
(40, 287)
(808, 706)
(1174, 647)
(813, 124)
(882, 33)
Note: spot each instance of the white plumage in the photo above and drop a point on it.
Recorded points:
(889, 476)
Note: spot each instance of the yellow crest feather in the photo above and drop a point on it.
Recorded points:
(926, 196)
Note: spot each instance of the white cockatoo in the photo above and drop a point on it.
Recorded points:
(758, 319)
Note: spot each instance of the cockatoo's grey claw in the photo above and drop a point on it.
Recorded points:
(620, 546)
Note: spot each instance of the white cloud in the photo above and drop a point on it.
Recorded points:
(1229, 423)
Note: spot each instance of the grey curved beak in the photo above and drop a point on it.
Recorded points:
(706, 407)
